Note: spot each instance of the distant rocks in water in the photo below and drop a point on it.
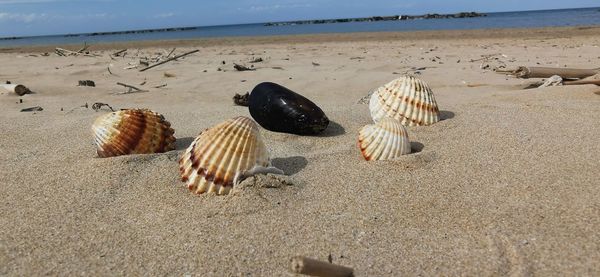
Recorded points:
(279, 109)
(379, 18)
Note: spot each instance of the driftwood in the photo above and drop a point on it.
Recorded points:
(547, 72)
(168, 60)
(257, 60)
(116, 54)
(86, 83)
(15, 88)
(583, 82)
(307, 266)
(242, 67)
(33, 109)
(241, 99)
(131, 89)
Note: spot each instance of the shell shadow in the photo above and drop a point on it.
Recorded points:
(333, 130)
(290, 165)
(183, 143)
(444, 115)
(416, 147)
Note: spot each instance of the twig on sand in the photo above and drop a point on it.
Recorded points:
(307, 266)
(131, 89)
(160, 86)
(32, 109)
(170, 53)
(116, 54)
(168, 60)
(242, 67)
(97, 106)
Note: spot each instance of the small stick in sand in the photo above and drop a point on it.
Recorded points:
(32, 109)
(131, 88)
(547, 72)
(242, 67)
(168, 60)
(161, 86)
(307, 266)
(116, 54)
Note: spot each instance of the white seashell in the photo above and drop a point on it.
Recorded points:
(133, 131)
(385, 140)
(406, 99)
(223, 156)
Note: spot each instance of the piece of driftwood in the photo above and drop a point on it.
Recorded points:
(257, 60)
(86, 83)
(85, 47)
(116, 54)
(33, 109)
(170, 53)
(168, 60)
(242, 67)
(131, 89)
(547, 72)
(15, 88)
(160, 86)
(582, 82)
(241, 99)
(308, 266)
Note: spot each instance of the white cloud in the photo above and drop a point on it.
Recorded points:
(164, 15)
(22, 17)
(47, 1)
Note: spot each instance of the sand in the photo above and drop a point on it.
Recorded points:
(506, 184)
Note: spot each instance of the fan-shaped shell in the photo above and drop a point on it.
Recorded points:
(385, 140)
(219, 155)
(134, 131)
(406, 99)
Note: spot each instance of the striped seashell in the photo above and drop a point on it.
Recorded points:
(384, 140)
(134, 131)
(223, 156)
(406, 99)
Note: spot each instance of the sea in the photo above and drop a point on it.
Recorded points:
(522, 19)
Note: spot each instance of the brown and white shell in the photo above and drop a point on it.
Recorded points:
(223, 155)
(384, 140)
(133, 131)
(406, 99)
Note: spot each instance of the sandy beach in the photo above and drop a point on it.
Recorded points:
(506, 184)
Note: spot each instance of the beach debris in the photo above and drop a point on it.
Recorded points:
(315, 64)
(132, 131)
(279, 109)
(592, 80)
(169, 59)
(118, 53)
(277, 67)
(130, 88)
(526, 72)
(242, 67)
(169, 75)
(98, 106)
(15, 88)
(552, 82)
(241, 99)
(160, 86)
(357, 58)
(406, 99)
(86, 83)
(170, 53)
(312, 267)
(257, 60)
(33, 109)
(224, 155)
(108, 68)
(385, 140)
(65, 52)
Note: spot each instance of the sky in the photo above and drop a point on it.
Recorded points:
(46, 17)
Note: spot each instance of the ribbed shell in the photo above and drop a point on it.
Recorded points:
(406, 99)
(214, 158)
(385, 140)
(134, 131)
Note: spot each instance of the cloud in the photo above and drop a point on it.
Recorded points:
(22, 17)
(47, 1)
(164, 15)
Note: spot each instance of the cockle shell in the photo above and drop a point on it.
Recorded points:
(384, 140)
(223, 155)
(406, 99)
(133, 131)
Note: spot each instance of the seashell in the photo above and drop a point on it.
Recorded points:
(406, 99)
(384, 140)
(133, 131)
(279, 109)
(223, 156)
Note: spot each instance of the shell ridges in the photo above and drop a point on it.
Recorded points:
(385, 140)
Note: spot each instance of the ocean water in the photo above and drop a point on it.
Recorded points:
(524, 19)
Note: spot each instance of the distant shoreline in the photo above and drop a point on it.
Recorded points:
(378, 18)
(506, 33)
(284, 23)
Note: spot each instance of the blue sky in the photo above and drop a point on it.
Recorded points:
(42, 17)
